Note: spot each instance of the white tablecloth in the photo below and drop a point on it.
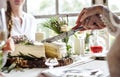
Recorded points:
(88, 67)
(25, 73)
(87, 64)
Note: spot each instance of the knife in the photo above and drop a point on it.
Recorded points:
(62, 35)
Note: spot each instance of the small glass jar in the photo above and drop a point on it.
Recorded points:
(96, 43)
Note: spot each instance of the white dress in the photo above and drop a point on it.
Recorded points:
(27, 28)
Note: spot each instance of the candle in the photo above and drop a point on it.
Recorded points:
(79, 46)
(39, 36)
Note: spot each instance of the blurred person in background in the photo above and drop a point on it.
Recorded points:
(21, 25)
(19, 22)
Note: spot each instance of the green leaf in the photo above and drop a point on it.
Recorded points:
(11, 67)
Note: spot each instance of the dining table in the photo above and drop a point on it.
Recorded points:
(86, 65)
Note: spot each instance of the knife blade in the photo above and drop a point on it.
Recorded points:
(62, 35)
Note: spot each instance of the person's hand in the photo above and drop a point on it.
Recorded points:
(90, 18)
(92, 22)
(9, 45)
(90, 11)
